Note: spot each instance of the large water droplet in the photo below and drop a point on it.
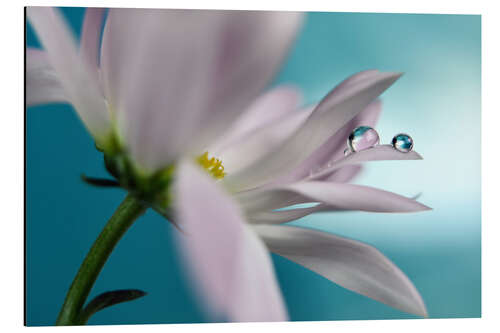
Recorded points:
(362, 137)
(402, 142)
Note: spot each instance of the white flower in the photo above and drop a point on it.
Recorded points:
(166, 86)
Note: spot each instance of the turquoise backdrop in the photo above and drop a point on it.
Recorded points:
(437, 101)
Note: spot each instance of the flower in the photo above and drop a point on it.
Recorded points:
(171, 100)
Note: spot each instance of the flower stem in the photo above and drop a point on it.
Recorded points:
(125, 215)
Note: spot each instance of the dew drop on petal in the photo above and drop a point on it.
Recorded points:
(402, 142)
(362, 137)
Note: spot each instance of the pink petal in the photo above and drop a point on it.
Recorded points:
(330, 115)
(337, 94)
(269, 107)
(91, 36)
(345, 174)
(378, 153)
(287, 215)
(333, 148)
(247, 149)
(342, 196)
(79, 84)
(353, 265)
(42, 84)
(261, 200)
(229, 264)
(178, 78)
(356, 197)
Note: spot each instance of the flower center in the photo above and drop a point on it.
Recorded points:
(212, 165)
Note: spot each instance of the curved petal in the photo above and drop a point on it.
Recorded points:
(261, 200)
(333, 148)
(271, 106)
(79, 85)
(353, 265)
(337, 94)
(330, 115)
(287, 215)
(42, 83)
(247, 149)
(341, 195)
(91, 36)
(378, 153)
(228, 262)
(178, 78)
(345, 174)
(357, 197)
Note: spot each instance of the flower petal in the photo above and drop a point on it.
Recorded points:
(251, 147)
(269, 107)
(353, 265)
(330, 115)
(287, 215)
(333, 148)
(229, 262)
(91, 36)
(79, 85)
(357, 197)
(345, 174)
(378, 153)
(341, 195)
(42, 83)
(178, 78)
(338, 93)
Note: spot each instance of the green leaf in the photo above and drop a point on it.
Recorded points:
(108, 299)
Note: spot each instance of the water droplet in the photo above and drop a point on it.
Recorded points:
(347, 151)
(402, 142)
(362, 137)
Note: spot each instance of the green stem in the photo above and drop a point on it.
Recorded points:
(125, 215)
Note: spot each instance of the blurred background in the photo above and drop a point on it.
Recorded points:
(437, 102)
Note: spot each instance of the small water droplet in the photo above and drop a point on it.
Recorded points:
(361, 138)
(347, 151)
(402, 142)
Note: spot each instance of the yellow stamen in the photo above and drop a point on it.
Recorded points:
(212, 165)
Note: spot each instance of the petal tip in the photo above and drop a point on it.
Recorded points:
(418, 156)
(421, 311)
(425, 208)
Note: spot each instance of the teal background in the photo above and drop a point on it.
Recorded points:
(437, 101)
